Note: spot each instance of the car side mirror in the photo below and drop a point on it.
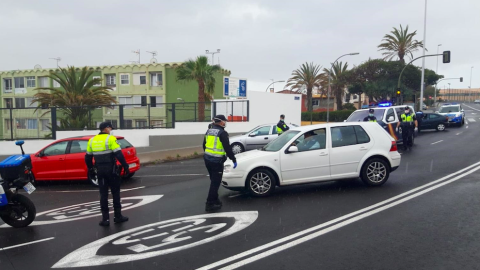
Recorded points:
(252, 135)
(436, 111)
(292, 149)
(39, 154)
(462, 110)
(391, 119)
(344, 120)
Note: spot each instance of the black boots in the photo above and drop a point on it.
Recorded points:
(105, 220)
(211, 207)
(118, 218)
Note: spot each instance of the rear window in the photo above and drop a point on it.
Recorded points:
(358, 116)
(124, 143)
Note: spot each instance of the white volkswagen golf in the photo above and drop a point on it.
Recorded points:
(316, 153)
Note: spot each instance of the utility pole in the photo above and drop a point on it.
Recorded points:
(213, 55)
(423, 60)
(471, 69)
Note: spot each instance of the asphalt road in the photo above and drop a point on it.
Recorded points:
(425, 217)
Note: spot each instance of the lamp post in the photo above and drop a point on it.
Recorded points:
(213, 55)
(450, 93)
(271, 84)
(329, 86)
(471, 69)
(422, 82)
(435, 95)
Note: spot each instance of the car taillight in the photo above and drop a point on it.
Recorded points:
(393, 148)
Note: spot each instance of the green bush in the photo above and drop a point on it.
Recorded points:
(335, 116)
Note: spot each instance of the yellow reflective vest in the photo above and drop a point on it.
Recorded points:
(213, 145)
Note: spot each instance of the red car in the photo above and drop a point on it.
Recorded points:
(65, 160)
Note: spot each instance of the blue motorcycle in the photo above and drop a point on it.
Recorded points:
(17, 210)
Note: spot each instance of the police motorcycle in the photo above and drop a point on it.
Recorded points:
(17, 210)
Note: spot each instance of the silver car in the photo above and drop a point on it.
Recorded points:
(255, 138)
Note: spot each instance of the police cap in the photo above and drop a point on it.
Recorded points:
(371, 110)
(219, 118)
(105, 125)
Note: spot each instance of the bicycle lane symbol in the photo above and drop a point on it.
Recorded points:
(158, 239)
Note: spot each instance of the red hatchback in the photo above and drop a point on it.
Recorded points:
(65, 160)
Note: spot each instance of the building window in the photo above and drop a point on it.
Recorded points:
(143, 80)
(98, 84)
(19, 103)
(31, 81)
(21, 123)
(156, 123)
(140, 123)
(139, 101)
(8, 103)
(110, 79)
(156, 101)
(8, 124)
(43, 82)
(111, 121)
(315, 102)
(45, 124)
(127, 123)
(30, 104)
(127, 101)
(19, 82)
(7, 85)
(56, 84)
(156, 79)
(124, 79)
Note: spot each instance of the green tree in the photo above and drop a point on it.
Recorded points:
(76, 98)
(203, 73)
(307, 76)
(399, 43)
(339, 80)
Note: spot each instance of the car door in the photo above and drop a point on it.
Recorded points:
(427, 121)
(349, 145)
(257, 138)
(75, 167)
(310, 163)
(50, 162)
(391, 120)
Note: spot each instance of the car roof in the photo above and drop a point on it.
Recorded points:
(335, 124)
(85, 137)
(396, 106)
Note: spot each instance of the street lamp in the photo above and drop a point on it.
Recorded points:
(471, 69)
(422, 82)
(450, 93)
(271, 84)
(213, 54)
(329, 79)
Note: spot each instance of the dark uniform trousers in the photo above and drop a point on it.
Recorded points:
(215, 170)
(407, 134)
(107, 178)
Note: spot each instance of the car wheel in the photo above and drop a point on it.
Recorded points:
(94, 180)
(260, 183)
(129, 176)
(441, 127)
(237, 148)
(375, 172)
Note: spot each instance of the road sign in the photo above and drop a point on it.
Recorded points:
(234, 87)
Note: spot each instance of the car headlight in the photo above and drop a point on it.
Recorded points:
(227, 168)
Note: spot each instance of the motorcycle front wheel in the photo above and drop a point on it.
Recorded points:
(21, 212)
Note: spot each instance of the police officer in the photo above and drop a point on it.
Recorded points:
(408, 121)
(104, 148)
(281, 126)
(371, 117)
(216, 146)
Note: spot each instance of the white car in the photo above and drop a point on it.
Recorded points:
(316, 153)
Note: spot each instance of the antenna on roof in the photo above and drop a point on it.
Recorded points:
(37, 67)
(137, 52)
(58, 59)
(153, 60)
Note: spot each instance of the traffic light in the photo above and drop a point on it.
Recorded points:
(399, 92)
(446, 57)
(461, 79)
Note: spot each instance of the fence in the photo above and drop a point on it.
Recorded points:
(36, 123)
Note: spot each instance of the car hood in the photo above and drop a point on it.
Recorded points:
(251, 155)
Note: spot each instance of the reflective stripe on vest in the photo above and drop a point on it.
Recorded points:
(406, 118)
(279, 130)
(374, 120)
(213, 145)
(97, 148)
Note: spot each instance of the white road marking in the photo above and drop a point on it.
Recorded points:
(170, 175)
(26, 244)
(471, 107)
(437, 142)
(473, 113)
(466, 127)
(128, 189)
(236, 195)
(331, 222)
(472, 120)
(459, 133)
(340, 225)
(466, 122)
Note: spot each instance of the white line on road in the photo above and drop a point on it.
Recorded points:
(128, 189)
(466, 122)
(236, 195)
(170, 175)
(459, 133)
(29, 243)
(437, 142)
(331, 222)
(341, 224)
(472, 120)
(471, 107)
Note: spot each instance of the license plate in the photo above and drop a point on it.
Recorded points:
(133, 165)
(29, 188)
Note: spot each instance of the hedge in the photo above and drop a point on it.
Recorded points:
(335, 116)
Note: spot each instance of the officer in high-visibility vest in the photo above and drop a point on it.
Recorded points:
(281, 126)
(409, 124)
(104, 149)
(217, 147)
(371, 117)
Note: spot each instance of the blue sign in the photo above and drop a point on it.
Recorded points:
(225, 88)
(242, 88)
(297, 98)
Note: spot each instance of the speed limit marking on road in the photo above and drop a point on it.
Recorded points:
(158, 239)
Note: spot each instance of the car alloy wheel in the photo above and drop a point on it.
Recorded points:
(375, 172)
(261, 183)
(441, 127)
(237, 148)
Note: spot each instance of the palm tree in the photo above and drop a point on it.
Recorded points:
(199, 70)
(307, 76)
(338, 81)
(76, 98)
(399, 43)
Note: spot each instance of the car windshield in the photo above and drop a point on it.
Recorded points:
(250, 131)
(449, 109)
(279, 142)
(124, 143)
(358, 116)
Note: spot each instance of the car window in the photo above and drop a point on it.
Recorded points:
(312, 140)
(390, 112)
(449, 109)
(358, 116)
(362, 136)
(261, 131)
(274, 129)
(280, 142)
(124, 143)
(343, 136)
(78, 147)
(56, 149)
(433, 116)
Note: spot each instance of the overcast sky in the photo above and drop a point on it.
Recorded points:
(259, 40)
